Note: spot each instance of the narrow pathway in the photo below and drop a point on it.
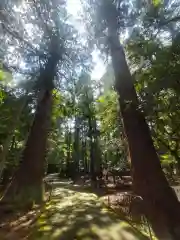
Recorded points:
(75, 214)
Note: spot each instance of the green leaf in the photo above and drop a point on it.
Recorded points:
(101, 99)
(156, 3)
(5, 77)
(1, 75)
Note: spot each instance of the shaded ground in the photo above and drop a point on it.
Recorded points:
(74, 213)
(16, 225)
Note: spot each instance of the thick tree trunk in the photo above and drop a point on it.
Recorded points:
(27, 185)
(160, 203)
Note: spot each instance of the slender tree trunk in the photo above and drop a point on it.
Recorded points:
(105, 158)
(99, 159)
(92, 165)
(97, 150)
(160, 203)
(84, 154)
(13, 143)
(76, 148)
(7, 142)
(8, 170)
(68, 159)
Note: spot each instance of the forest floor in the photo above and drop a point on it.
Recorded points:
(73, 213)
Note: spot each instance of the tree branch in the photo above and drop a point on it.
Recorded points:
(18, 37)
(43, 21)
(175, 19)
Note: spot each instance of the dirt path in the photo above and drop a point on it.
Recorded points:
(74, 213)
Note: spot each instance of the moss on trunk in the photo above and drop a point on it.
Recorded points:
(27, 196)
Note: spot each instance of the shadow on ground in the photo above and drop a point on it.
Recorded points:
(74, 213)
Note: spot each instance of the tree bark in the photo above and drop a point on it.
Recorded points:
(76, 151)
(97, 151)
(84, 156)
(27, 185)
(69, 172)
(92, 164)
(160, 203)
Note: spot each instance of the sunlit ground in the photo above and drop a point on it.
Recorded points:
(76, 214)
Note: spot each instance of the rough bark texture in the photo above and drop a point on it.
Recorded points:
(84, 157)
(97, 154)
(160, 203)
(27, 185)
(92, 164)
(69, 169)
(76, 152)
